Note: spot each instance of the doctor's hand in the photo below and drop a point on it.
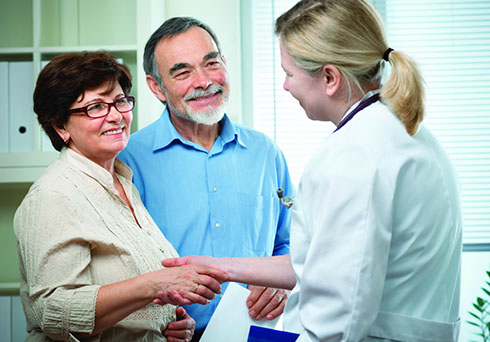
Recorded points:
(182, 329)
(195, 260)
(266, 302)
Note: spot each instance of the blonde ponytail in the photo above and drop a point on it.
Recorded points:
(349, 34)
(404, 91)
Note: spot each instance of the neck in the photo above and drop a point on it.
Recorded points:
(343, 106)
(204, 135)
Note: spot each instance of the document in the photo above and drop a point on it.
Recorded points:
(230, 321)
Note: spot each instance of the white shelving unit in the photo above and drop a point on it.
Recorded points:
(59, 26)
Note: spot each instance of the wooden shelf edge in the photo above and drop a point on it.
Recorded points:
(9, 289)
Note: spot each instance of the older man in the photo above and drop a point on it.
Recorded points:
(209, 184)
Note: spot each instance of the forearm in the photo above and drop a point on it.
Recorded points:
(275, 271)
(118, 300)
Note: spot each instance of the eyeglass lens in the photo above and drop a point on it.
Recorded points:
(100, 109)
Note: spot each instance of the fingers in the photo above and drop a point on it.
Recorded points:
(209, 283)
(269, 304)
(174, 262)
(220, 275)
(182, 329)
(255, 293)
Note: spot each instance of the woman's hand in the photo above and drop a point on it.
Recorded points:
(187, 284)
(182, 329)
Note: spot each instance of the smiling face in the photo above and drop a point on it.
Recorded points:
(194, 76)
(98, 139)
(308, 90)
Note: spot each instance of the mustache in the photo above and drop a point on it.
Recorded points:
(212, 89)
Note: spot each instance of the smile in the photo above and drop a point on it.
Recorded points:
(115, 131)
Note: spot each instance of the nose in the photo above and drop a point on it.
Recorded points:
(285, 84)
(202, 80)
(114, 115)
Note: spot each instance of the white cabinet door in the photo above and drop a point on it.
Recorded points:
(19, 331)
(5, 318)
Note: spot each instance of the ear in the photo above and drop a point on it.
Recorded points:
(62, 132)
(332, 79)
(155, 88)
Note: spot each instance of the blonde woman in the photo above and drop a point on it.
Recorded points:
(376, 225)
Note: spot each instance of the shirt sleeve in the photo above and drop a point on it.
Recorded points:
(281, 242)
(55, 260)
(348, 219)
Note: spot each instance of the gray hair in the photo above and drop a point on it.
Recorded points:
(170, 28)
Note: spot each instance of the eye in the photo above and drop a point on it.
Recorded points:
(181, 74)
(213, 64)
(122, 101)
(96, 107)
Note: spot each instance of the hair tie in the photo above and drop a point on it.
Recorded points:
(387, 53)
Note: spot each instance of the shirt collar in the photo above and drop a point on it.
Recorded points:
(366, 96)
(94, 170)
(166, 133)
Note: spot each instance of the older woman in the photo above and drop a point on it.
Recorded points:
(89, 251)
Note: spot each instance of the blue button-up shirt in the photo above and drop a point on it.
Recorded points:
(220, 202)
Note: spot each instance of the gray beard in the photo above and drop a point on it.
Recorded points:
(205, 118)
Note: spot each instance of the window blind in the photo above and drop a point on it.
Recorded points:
(451, 42)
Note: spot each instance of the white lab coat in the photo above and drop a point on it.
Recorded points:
(376, 237)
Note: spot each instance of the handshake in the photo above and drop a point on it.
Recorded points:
(182, 282)
(197, 279)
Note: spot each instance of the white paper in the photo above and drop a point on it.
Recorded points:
(230, 321)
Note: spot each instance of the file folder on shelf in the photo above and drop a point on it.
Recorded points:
(46, 145)
(4, 107)
(21, 116)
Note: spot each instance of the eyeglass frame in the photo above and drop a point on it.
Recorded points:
(84, 110)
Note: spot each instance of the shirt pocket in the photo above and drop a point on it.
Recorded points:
(256, 221)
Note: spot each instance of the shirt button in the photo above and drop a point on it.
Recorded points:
(147, 232)
(161, 250)
(210, 155)
(215, 189)
(217, 225)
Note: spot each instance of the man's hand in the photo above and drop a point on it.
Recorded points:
(182, 329)
(266, 302)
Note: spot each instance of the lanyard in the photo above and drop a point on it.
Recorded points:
(366, 103)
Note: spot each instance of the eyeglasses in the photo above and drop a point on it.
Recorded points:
(100, 109)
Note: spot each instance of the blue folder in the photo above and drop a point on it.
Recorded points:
(259, 334)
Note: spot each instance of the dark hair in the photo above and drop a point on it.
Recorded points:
(65, 78)
(170, 28)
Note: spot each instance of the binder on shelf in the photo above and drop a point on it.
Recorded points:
(21, 116)
(46, 145)
(4, 107)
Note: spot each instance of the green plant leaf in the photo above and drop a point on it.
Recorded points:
(477, 307)
(474, 315)
(473, 323)
(486, 291)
